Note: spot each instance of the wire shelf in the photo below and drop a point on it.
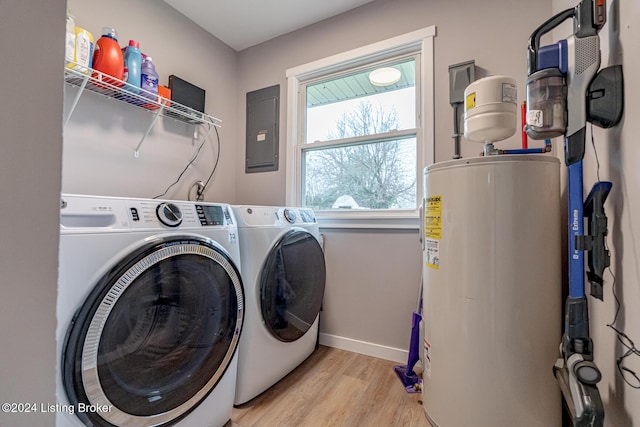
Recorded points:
(88, 79)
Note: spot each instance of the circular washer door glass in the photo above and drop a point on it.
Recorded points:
(155, 335)
(292, 285)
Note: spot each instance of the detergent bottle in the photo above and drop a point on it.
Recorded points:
(83, 49)
(149, 79)
(108, 57)
(70, 42)
(132, 66)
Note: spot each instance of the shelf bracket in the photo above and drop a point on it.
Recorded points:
(75, 100)
(136, 153)
(206, 135)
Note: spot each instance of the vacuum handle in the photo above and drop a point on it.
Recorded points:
(534, 40)
(590, 16)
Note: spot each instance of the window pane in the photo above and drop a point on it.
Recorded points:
(377, 175)
(350, 105)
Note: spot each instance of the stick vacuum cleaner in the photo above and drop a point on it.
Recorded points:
(564, 91)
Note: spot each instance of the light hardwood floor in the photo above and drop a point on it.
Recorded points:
(335, 388)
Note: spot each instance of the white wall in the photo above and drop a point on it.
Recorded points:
(373, 275)
(102, 134)
(373, 280)
(618, 154)
(31, 140)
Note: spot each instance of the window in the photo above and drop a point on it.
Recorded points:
(360, 146)
(357, 147)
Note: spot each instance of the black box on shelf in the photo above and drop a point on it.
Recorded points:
(187, 94)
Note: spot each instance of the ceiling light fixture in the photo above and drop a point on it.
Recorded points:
(384, 76)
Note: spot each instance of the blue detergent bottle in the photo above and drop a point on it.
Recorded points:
(149, 79)
(132, 66)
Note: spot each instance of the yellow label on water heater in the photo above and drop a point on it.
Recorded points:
(432, 231)
(433, 218)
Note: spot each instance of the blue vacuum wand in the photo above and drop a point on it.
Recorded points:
(564, 91)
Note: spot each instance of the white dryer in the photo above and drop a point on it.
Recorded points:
(283, 270)
(150, 308)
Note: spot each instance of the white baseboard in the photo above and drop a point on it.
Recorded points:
(362, 347)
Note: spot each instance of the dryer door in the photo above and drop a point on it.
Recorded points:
(292, 285)
(155, 335)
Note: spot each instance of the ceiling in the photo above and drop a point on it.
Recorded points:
(245, 23)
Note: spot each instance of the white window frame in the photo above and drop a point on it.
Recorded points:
(419, 41)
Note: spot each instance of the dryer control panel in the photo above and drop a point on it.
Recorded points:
(295, 215)
(251, 216)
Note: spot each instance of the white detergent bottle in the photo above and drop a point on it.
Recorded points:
(70, 42)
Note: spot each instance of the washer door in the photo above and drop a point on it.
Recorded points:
(155, 335)
(292, 285)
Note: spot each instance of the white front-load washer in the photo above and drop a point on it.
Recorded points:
(150, 309)
(283, 271)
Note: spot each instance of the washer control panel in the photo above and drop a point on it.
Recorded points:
(89, 212)
(214, 215)
(169, 214)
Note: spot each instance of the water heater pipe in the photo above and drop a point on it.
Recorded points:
(456, 132)
(523, 119)
(545, 149)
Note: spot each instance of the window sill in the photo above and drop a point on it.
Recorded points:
(377, 220)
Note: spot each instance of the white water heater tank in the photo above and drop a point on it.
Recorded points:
(490, 109)
(492, 291)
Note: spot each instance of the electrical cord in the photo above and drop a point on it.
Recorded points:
(193, 159)
(595, 153)
(215, 166)
(629, 376)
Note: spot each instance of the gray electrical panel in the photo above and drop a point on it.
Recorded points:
(460, 76)
(263, 112)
